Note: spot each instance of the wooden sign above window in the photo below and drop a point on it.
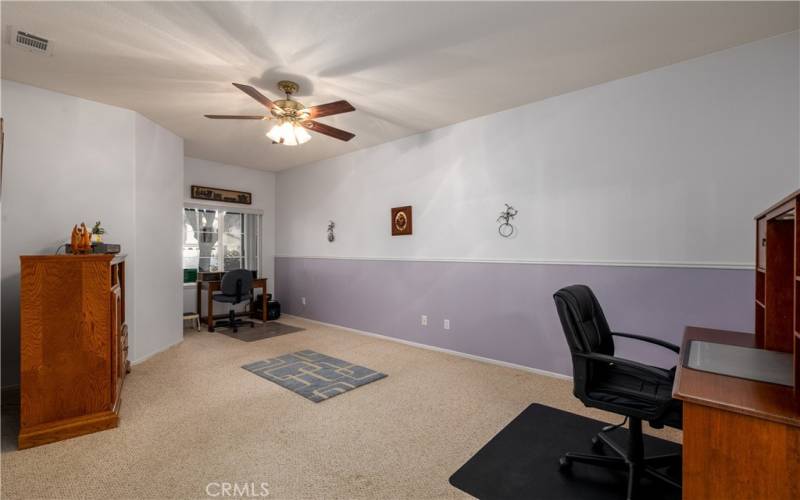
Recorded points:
(223, 195)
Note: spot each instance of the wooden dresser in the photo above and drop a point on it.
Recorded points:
(73, 345)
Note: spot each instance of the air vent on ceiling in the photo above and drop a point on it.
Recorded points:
(31, 42)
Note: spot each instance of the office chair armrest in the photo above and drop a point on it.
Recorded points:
(644, 369)
(662, 343)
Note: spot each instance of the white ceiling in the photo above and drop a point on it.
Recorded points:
(406, 67)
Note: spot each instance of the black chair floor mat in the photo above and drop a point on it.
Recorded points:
(521, 461)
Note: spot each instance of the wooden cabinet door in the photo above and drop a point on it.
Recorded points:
(64, 340)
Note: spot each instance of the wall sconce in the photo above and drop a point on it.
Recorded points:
(331, 236)
(506, 229)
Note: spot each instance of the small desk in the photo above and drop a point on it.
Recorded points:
(214, 286)
(741, 438)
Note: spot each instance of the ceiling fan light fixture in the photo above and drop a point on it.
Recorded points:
(274, 133)
(288, 133)
(292, 117)
(301, 134)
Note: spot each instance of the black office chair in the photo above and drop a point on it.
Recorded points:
(234, 289)
(601, 380)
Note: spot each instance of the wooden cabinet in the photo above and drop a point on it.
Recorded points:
(73, 345)
(777, 301)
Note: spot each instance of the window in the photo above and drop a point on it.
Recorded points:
(219, 240)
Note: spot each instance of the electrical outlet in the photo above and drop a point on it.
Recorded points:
(303, 300)
(447, 324)
(423, 320)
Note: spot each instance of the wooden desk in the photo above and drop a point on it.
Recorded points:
(741, 438)
(214, 286)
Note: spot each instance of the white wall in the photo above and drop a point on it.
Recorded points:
(668, 166)
(258, 182)
(159, 224)
(69, 160)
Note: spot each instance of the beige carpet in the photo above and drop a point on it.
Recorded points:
(191, 416)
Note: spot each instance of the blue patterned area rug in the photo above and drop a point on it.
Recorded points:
(313, 375)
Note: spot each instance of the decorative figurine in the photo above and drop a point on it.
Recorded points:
(81, 239)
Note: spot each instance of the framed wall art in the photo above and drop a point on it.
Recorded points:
(401, 221)
(224, 195)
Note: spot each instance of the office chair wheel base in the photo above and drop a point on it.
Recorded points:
(564, 464)
(597, 444)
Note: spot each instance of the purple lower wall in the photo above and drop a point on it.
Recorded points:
(506, 311)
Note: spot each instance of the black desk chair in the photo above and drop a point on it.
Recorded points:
(235, 288)
(634, 390)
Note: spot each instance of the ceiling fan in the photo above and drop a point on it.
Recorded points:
(292, 117)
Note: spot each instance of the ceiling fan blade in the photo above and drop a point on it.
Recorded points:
(236, 117)
(334, 132)
(255, 94)
(332, 108)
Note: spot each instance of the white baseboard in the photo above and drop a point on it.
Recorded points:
(440, 349)
(148, 356)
